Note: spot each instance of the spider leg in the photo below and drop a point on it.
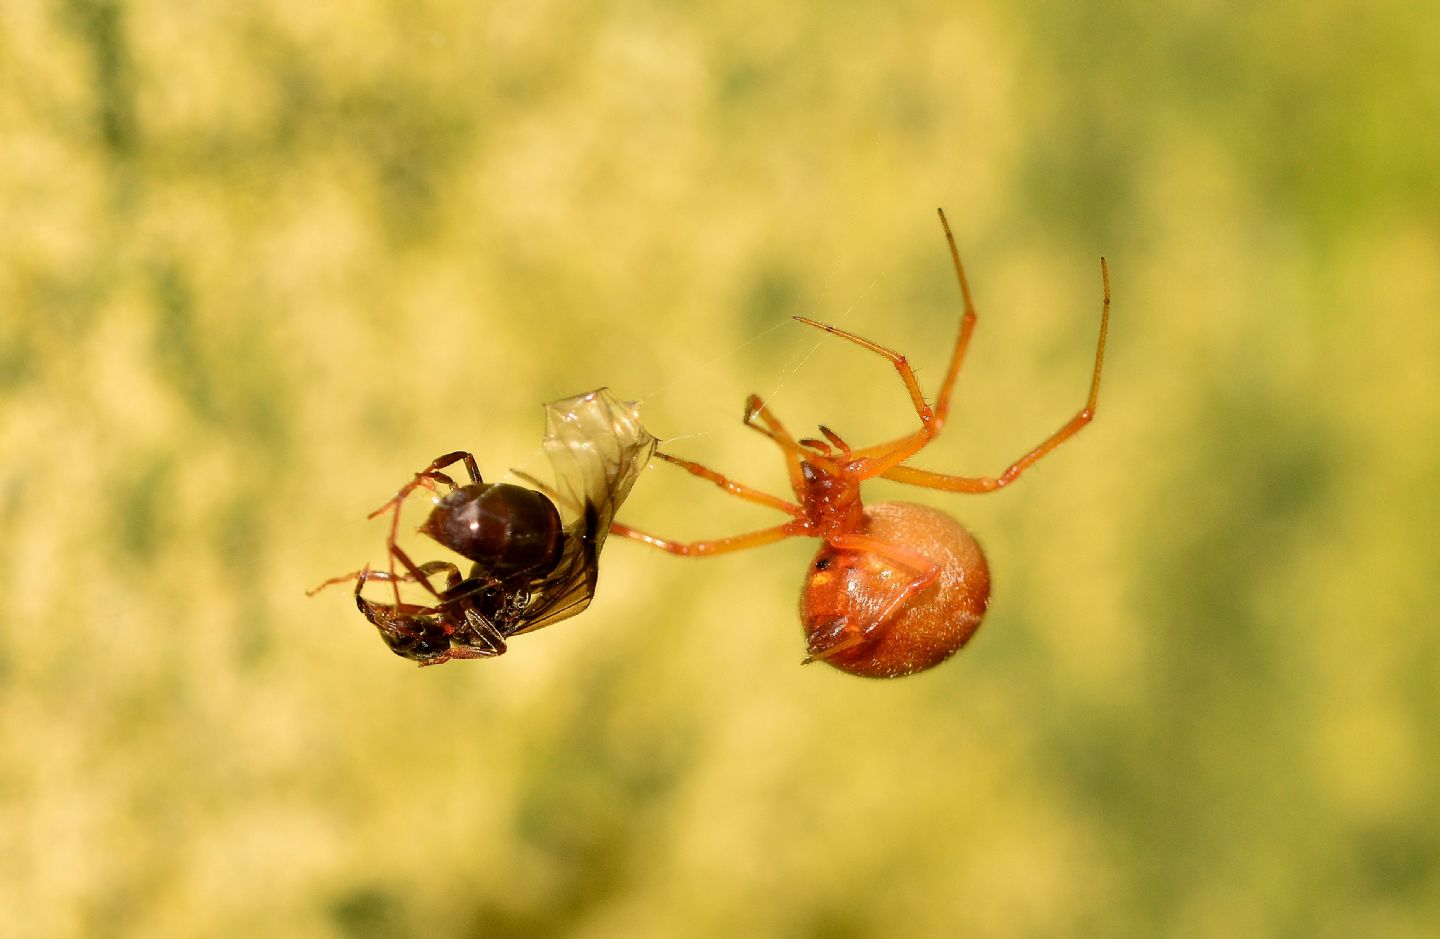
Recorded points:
(902, 367)
(739, 490)
(967, 327)
(880, 459)
(756, 409)
(845, 452)
(752, 539)
(797, 526)
(919, 477)
(929, 571)
(832, 446)
(941, 408)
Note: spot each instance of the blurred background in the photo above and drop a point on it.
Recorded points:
(262, 261)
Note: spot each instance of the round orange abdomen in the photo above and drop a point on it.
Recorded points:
(846, 592)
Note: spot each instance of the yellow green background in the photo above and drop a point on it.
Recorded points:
(260, 261)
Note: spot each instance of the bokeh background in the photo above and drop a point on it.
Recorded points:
(261, 261)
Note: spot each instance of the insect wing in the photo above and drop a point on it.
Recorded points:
(597, 446)
(567, 590)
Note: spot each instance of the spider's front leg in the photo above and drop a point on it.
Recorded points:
(769, 425)
(701, 549)
(798, 525)
(739, 490)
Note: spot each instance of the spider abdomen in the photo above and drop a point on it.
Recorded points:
(846, 592)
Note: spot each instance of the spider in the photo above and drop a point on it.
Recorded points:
(896, 588)
(534, 554)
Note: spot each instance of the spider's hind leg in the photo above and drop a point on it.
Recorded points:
(1070, 428)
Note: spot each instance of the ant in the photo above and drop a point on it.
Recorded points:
(535, 554)
(896, 588)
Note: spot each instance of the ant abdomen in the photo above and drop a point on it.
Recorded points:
(846, 593)
(509, 529)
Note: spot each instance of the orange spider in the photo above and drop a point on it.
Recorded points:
(895, 588)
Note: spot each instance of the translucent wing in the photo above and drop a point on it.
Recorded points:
(597, 446)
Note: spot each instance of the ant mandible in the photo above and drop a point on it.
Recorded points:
(895, 588)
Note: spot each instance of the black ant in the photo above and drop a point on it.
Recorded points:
(534, 554)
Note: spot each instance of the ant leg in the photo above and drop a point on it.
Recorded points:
(733, 488)
(426, 477)
(343, 578)
(418, 572)
(432, 473)
(697, 549)
(428, 569)
(461, 652)
(450, 459)
(1085, 415)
